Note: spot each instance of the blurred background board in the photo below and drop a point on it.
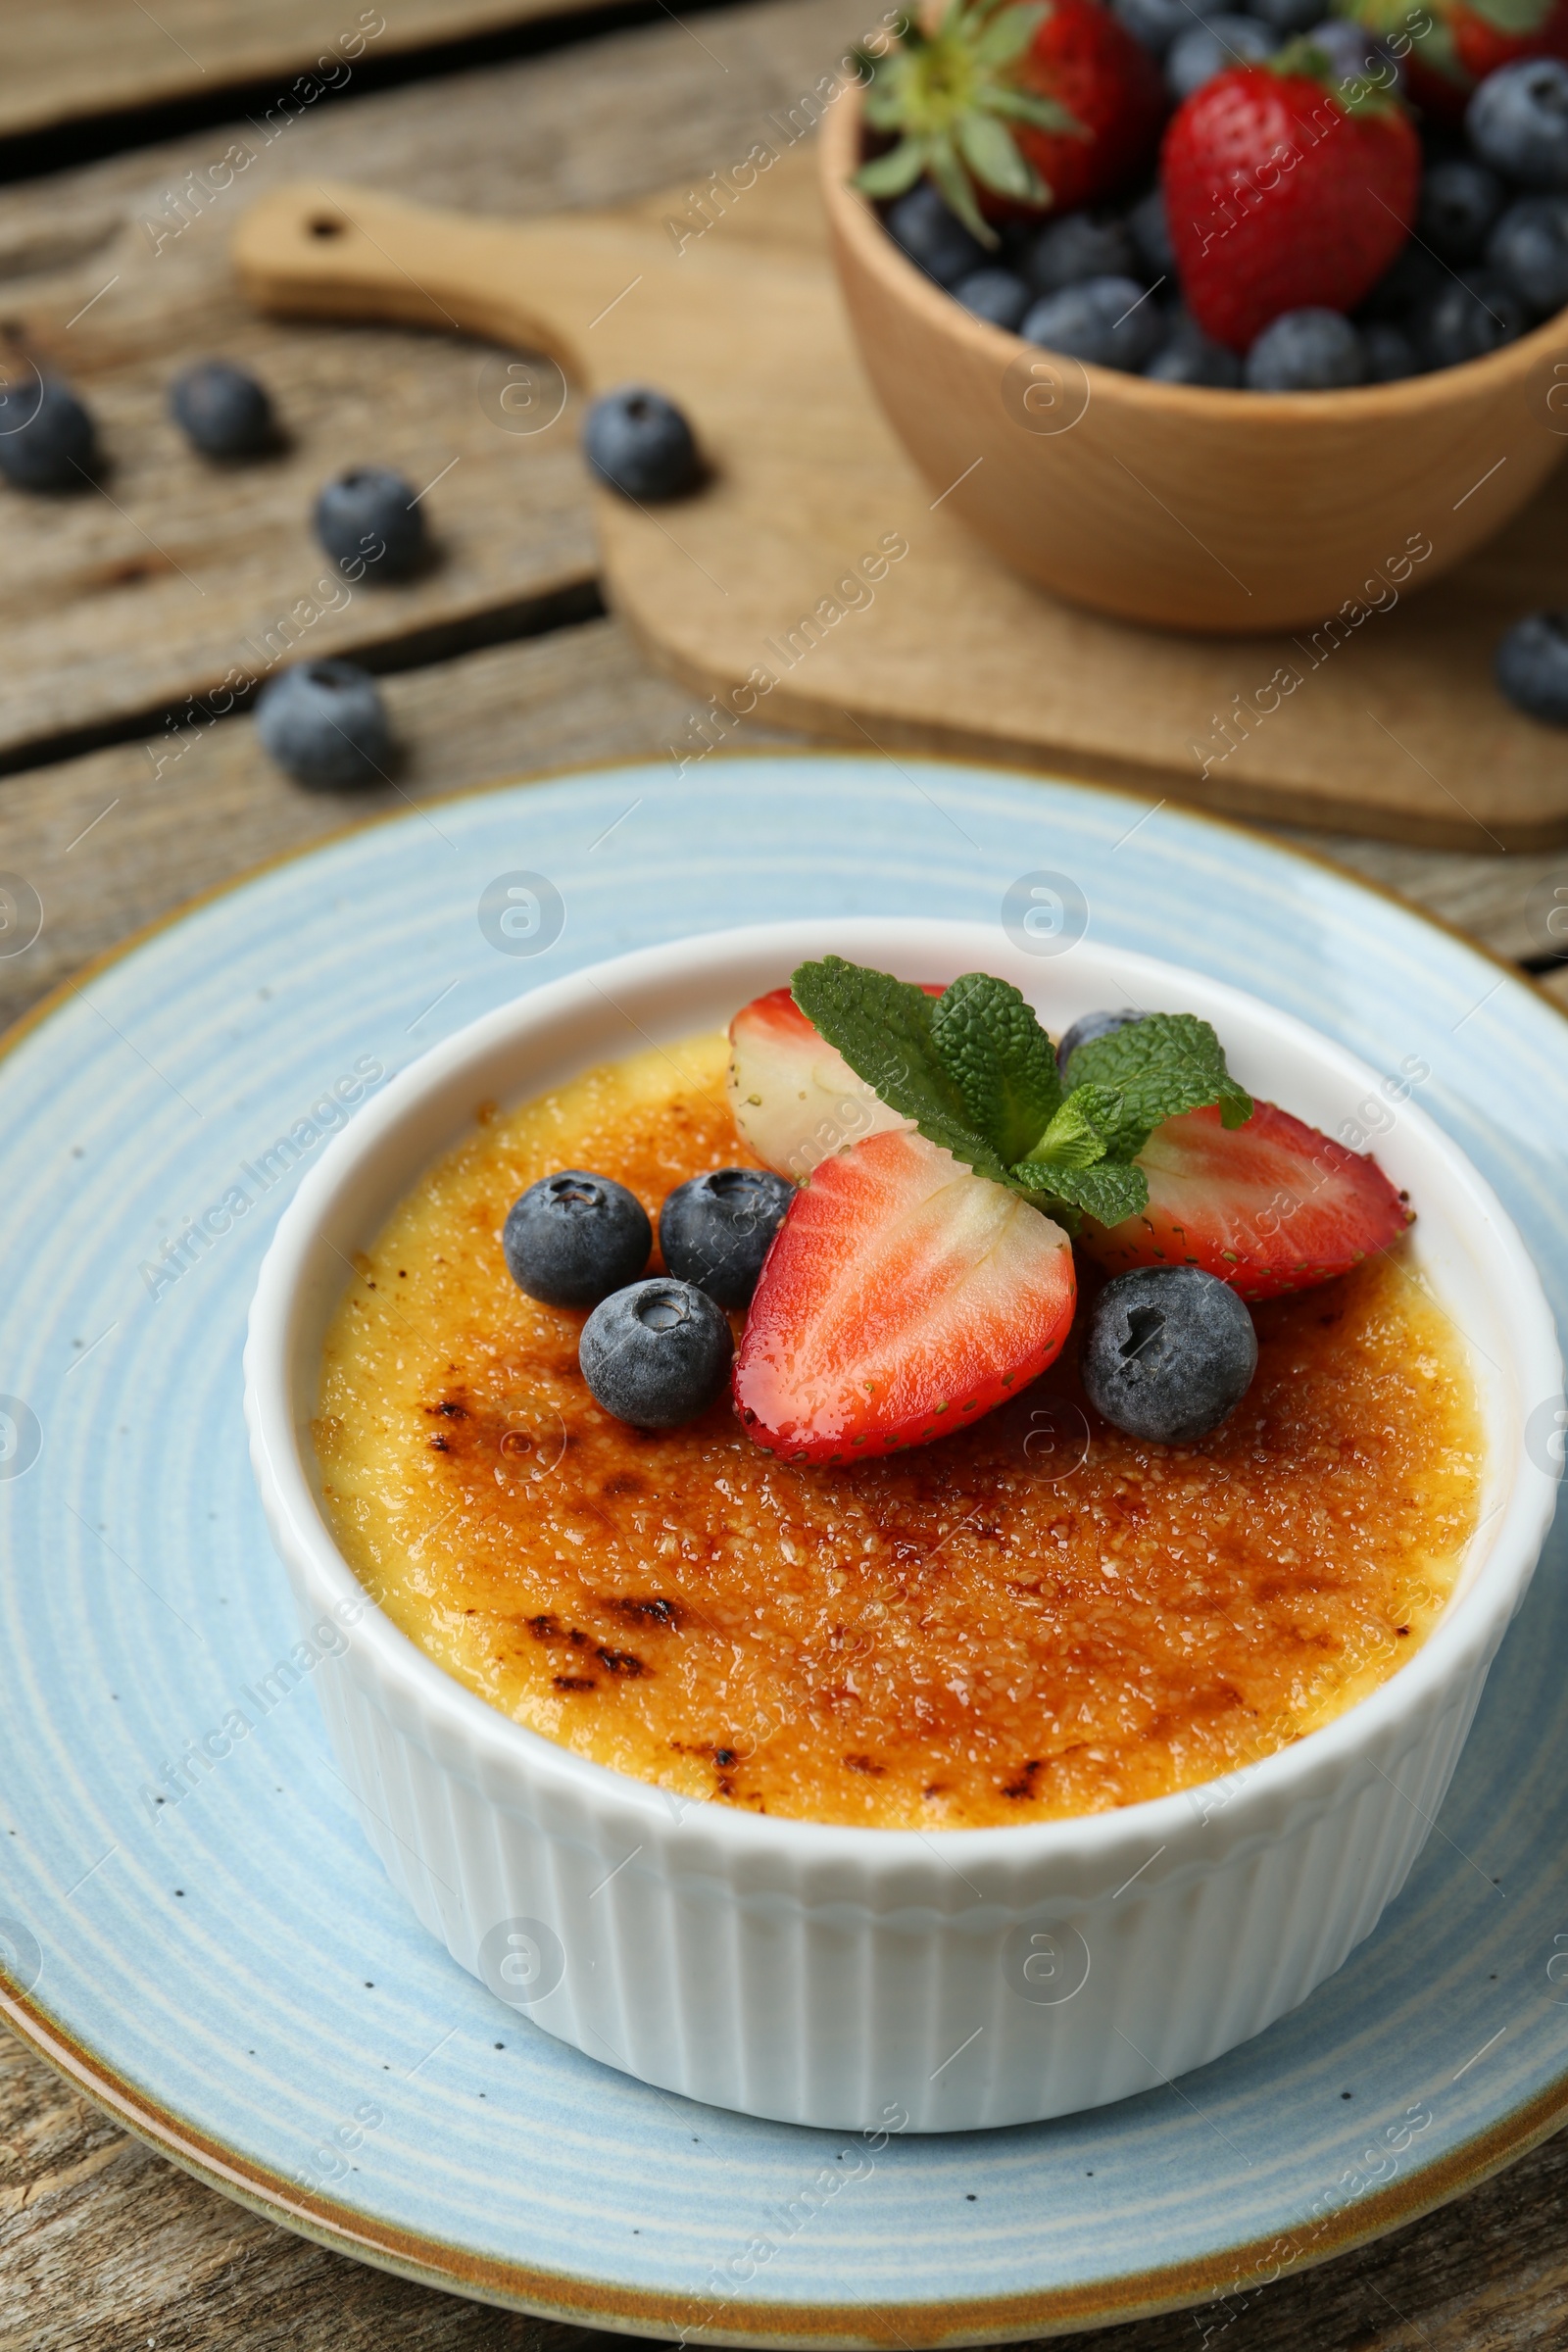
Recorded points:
(815, 577)
(74, 59)
(119, 602)
(498, 663)
(172, 583)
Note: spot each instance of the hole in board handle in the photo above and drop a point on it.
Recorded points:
(325, 224)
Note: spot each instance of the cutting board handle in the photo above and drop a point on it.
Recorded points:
(331, 250)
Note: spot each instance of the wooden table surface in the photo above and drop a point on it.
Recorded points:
(501, 661)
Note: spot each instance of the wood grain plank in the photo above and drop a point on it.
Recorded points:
(109, 844)
(78, 58)
(133, 2252)
(123, 599)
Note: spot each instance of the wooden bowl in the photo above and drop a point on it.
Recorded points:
(1229, 511)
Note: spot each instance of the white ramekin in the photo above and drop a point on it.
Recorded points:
(849, 1976)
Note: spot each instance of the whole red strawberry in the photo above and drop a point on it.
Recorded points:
(1453, 45)
(1282, 193)
(1016, 106)
(1086, 58)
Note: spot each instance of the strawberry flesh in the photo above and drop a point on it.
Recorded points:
(794, 1097)
(1270, 1206)
(1279, 199)
(902, 1298)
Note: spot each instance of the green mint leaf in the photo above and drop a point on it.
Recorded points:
(975, 1073)
(882, 1027)
(893, 172)
(1000, 1060)
(1107, 1192)
(1083, 1130)
(1162, 1066)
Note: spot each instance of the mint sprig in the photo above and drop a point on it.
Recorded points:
(1164, 1064)
(975, 1073)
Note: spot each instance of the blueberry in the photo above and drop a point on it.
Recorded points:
(1388, 354)
(716, 1230)
(1078, 247)
(1204, 50)
(656, 1354)
(1415, 278)
(223, 411)
(1285, 16)
(325, 725)
(1531, 665)
(1352, 54)
(993, 294)
(934, 239)
(368, 516)
(1517, 121)
(46, 435)
(1528, 251)
(1189, 357)
(640, 444)
(1459, 202)
(1306, 351)
(1168, 1351)
(1086, 1028)
(1157, 22)
(1150, 235)
(1107, 320)
(1469, 318)
(572, 1238)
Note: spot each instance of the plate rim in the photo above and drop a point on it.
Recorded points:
(576, 2300)
(582, 2301)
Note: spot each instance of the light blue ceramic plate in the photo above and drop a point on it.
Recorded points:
(228, 1970)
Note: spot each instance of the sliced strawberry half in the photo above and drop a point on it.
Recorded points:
(794, 1096)
(902, 1298)
(1270, 1206)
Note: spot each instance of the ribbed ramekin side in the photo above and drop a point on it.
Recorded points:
(778, 1993)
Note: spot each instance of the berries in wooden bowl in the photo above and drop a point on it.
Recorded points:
(1227, 394)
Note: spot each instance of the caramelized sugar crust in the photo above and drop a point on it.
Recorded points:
(1036, 1617)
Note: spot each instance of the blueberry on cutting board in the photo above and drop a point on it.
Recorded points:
(371, 523)
(47, 440)
(572, 1238)
(640, 444)
(223, 411)
(325, 725)
(1168, 1351)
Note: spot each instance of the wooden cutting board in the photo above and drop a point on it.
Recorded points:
(818, 582)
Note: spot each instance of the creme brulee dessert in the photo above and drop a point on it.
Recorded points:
(1040, 1614)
